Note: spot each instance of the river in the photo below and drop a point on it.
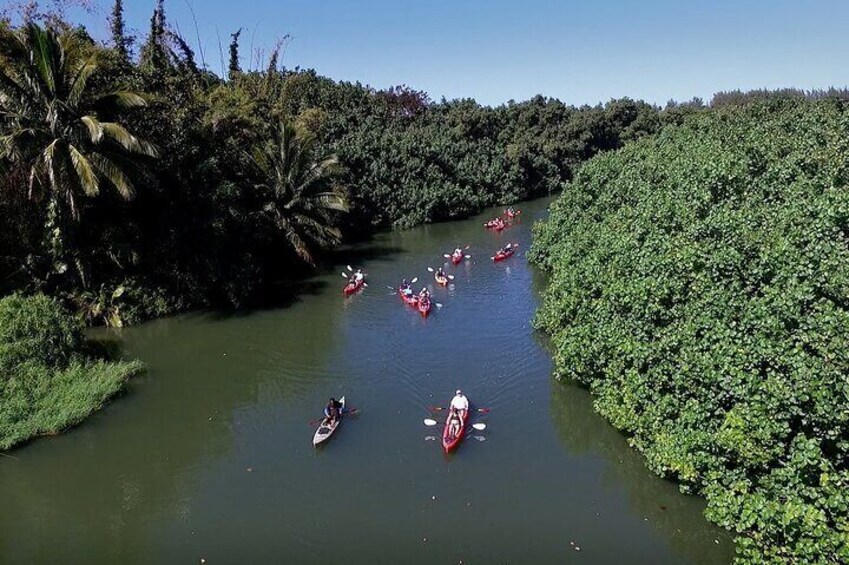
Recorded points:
(209, 454)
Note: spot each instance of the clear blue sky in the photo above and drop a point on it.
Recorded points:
(495, 50)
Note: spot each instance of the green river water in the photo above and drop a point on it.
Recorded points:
(209, 454)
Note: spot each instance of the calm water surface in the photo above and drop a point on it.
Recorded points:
(209, 454)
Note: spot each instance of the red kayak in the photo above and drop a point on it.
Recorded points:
(411, 300)
(353, 287)
(497, 224)
(448, 442)
(424, 307)
(502, 255)
(455, 258)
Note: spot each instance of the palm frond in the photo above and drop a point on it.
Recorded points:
(113, 172)
(95, 128)
(85, 171)
(78, 83)
(127, 140)
(122, 99)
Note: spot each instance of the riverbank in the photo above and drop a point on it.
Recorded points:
(49, 379)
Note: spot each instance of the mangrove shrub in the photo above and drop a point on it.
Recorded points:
(700, 289)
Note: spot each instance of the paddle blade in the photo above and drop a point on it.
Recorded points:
(344, 274)
(479, 427)
(349, 268)
(450, 277)
(415, 280)
(468, 257)
(438, 304)
(430, 269)
(430, 422)
(484, 410)
(446, 255)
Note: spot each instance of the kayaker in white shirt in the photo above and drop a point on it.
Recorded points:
(460, 403)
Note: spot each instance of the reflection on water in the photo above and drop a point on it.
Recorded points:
(209, 454)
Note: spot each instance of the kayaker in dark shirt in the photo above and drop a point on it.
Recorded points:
(440, 273)
(332, 411)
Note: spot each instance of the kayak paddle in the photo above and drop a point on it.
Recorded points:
(480, 426)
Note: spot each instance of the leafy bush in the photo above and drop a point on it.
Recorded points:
(699, 289)
(46, 382)
(36, 327)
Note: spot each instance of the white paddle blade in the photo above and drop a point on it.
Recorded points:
(479, 438)
(480, 426)
(430, 422)
(345, 275)
(438, 304)
(430, 269)
(415, 280)
(450, 277)
(349, 268)
(446, 255)
(468, 257)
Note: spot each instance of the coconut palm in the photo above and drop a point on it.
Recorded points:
(298, 192)
(55, 128)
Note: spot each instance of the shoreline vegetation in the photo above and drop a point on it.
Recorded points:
(699, 291)
(50, 378)
(698, 252)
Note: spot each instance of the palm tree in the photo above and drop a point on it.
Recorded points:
(298, 192)
(52, 126)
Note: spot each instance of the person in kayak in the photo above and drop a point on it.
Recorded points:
(359, 276)
(460, 404)
(332, 411)
(454, 423)
(507, 249)
(424, 294)
(440, 274)
(458, 252)
(406, 288)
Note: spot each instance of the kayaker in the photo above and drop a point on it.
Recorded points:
(424, 294)
(507, 249)
(332, 411)
(453, 423)
(359, 276)
(405, 288)
(460, 403)
(458, 252)
(439, 273)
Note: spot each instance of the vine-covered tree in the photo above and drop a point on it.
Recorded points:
(121, 42)
(234, 68)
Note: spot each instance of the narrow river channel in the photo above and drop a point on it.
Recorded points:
(209, 455)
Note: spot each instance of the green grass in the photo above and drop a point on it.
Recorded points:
(44, 401)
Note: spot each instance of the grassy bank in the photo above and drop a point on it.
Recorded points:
(48, 382)
(699, 289)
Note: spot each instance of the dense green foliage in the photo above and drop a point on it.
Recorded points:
(36, 328)
(699, 289)
(195, 226)
(47, 381)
